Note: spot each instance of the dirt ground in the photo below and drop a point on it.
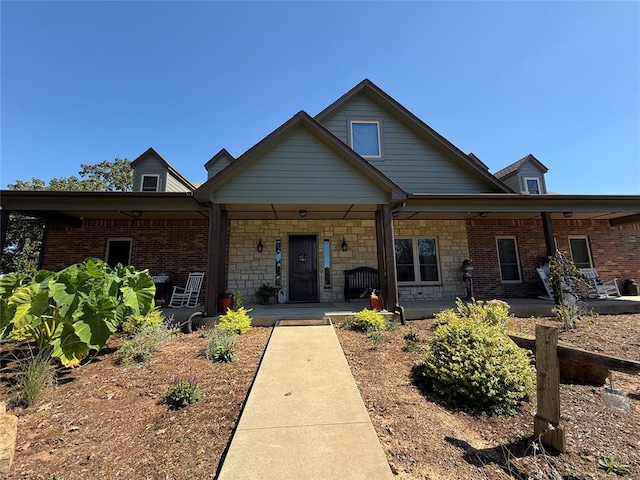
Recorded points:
(104, 420)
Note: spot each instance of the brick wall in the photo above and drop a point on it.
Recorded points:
(176, 247)
(615, 252)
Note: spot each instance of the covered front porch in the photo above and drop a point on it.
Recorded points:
(267, 315)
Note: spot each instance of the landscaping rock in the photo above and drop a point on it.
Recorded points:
(8, 432)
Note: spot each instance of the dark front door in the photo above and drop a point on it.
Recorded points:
(303, 269)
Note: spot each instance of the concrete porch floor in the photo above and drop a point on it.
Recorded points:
(267, 315)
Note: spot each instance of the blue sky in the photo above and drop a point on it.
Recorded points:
(83, 82)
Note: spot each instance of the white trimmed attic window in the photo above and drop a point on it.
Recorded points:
(150, 183)
(365, 138)
(532, 185)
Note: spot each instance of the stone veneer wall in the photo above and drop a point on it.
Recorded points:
(453, 248)
(248, 268)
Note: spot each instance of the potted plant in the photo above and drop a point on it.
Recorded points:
(264, 293)
(225, 302)
(375, 300)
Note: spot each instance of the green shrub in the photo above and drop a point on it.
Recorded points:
(35, 373)
(365, 320)
(412, 336)
(182, 392)
(146, 341)
(221, 347)
(237, 321)
(493, 312)
(137, 323)
(477, 365)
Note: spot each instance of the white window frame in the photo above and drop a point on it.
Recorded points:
(526, 185)
(157, 177)
(586, 241)
(416, 261)
(377, 123)
(109, 240)
(515, 244)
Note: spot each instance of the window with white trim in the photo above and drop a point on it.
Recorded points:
(580, 251)
(150, 183)
(118, 251)
(365, 138)
(417, 260)
(532, 185)
(508, 260)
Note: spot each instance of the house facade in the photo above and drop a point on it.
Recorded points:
(363, 183)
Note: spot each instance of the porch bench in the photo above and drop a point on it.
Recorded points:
(359, 281)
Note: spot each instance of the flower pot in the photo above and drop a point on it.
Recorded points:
(375, 303)
(225, 303)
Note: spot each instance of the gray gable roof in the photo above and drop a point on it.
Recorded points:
(175, 173)
(305, 120)
(429, 134)
(515, 166)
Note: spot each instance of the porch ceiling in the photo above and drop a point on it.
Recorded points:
(292, 211)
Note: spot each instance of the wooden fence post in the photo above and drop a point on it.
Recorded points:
(546, 424)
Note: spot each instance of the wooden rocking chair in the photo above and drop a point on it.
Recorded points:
(187, 296)
(599, 289)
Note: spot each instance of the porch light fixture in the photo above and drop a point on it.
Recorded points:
(567, 214)
(136, 213)
(344, 245)
(302, 213)
(484, 214)
(260, 246)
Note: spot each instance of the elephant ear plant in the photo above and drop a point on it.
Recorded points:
(70, 312)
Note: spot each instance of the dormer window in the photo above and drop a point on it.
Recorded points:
(532, 185)
(365, 138)
(150, 183)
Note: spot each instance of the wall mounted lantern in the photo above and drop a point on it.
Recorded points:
(344, 245)
(302, 213)
(567, 214)
(467, 277)
(260, 246)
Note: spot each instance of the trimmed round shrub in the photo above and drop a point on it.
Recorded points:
(366, 320)
(237, 321)
(476, 365)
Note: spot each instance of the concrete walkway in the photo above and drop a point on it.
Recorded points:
(304, 418)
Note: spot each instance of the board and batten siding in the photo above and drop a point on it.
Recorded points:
(300, 169)
(407, 158)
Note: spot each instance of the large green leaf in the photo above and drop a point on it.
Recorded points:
(7, 313)
(30, 303)
(138, 293)
(9, 283)
(70, 289)
(97, 323)
(68, 347)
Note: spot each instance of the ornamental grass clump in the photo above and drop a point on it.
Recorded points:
(35, 374)
(237, 321)
(475, 364)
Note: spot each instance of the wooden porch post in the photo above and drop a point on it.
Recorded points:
(380, 250)
(222, 250)
(213, 258)
(4, 224)
(547, 228)
(547, 423)
(391, 294)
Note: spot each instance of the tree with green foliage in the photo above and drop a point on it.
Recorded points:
(25, 234)
(70, 312)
